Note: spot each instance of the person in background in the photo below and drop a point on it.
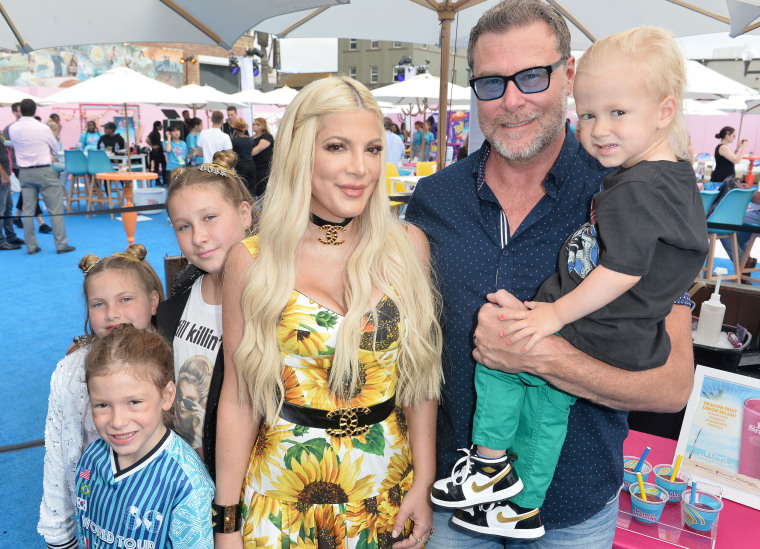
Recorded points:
(725, 158)
(213, 139)
(421, 141)
(176, 150)
(188, 122)
(9, 240)
(394, 151)
(196, 125)
(111, 141)
(242, 144)
(397, 131)
(89, 139)
(55, 117)
(462, 152)
(35, 147)
(157, 158)
(228, 127)
(515, 200)
(263, 147)
(404, 133)
(58, 164)
(432, 126)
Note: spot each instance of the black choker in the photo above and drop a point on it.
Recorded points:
(331, 229)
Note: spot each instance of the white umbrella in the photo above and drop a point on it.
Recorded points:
(203, 97)
(423, 87)
(694, 107)
(115, 87)
(118, 86)
(415, 21)
(250, 96)
(9, 96)
(705, 83)
(281, 96)
(36, 24)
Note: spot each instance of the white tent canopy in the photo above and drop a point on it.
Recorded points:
(205, 97)
(9, 96)
(117, 87)
(423, 87)
(705, 83)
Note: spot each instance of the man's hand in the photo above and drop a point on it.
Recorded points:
(490, 348)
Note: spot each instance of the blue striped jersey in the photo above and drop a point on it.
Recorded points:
(162, 501)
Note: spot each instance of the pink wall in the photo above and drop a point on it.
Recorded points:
(704, 128)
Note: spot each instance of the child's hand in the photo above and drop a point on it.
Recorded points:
(537, 323)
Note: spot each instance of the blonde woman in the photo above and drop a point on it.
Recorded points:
(332, 348)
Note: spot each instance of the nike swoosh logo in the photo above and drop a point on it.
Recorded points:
(477, 488)
(506, 520)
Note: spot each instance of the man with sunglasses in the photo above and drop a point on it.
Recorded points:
(496, 221)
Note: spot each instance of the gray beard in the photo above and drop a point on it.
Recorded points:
(545, 137)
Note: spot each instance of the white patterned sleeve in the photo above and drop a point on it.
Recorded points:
(56, 524)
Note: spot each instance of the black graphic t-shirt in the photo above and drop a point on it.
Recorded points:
(648, 221)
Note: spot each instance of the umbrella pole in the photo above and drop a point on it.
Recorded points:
(128, 219)
(445, 17)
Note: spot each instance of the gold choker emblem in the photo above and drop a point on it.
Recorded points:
(332, 238)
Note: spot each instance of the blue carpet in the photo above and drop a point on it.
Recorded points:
(41, 309)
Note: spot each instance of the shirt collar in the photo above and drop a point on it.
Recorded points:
(559, 171)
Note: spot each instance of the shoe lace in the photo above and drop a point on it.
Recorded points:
(461, 468)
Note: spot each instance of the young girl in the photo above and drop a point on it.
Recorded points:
(210, 210)
(118, 289)
(139, 485)
(619, 275)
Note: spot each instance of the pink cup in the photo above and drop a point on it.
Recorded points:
(749, 454)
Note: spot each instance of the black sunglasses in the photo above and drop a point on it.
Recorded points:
(533, 80)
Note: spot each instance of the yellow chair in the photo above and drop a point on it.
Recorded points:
(394, 187)
(425, 168)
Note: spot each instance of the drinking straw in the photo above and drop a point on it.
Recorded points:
(693, 493)
(677, 466)
(641, 487)
(641, 460)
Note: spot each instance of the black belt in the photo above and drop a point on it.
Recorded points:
(32, 167)
(343, 422)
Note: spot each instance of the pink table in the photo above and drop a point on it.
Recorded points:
(735, 526)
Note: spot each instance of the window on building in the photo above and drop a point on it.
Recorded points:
(352, 44)
(352, 72)
(396, 44)
(374, 44)
(373, 74)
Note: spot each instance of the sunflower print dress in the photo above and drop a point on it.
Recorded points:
(305, 488)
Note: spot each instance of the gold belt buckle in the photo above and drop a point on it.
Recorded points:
(349, 422)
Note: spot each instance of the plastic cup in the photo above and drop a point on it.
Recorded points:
(629, 477)
(703, 514)
(675, 487)
(749, 453)
(648, 511)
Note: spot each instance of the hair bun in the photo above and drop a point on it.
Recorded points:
(87, 262)
(718, 136)
(138, 251)
(226, 159)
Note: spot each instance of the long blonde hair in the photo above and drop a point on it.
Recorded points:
(661, 65)
(384, 259)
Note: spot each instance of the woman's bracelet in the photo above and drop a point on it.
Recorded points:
(226, 519)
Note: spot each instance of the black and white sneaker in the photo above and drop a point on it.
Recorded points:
(503, 519)
(475, 480)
